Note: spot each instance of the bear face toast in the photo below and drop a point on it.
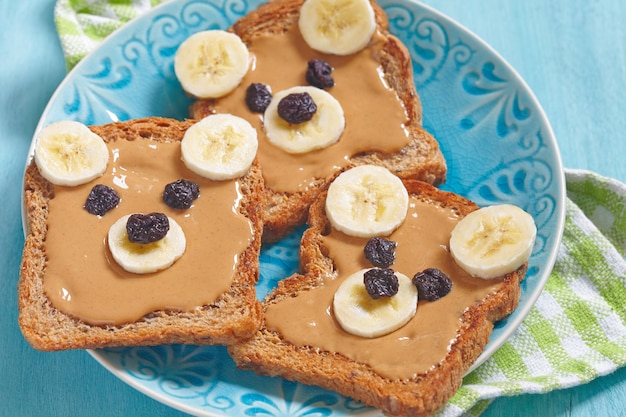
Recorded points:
(74, 295)
(410, 371)
(374, 87)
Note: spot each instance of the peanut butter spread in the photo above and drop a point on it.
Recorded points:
(422, 240)
(374, 115)
(84, 281)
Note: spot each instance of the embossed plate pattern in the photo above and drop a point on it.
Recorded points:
(496, 139)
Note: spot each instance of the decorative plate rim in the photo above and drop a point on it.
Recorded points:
(520, 313)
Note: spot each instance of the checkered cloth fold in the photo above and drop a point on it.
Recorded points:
(574, 333)
(83, 24)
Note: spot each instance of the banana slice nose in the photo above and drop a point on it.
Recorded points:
(359, 314)
(145, 258)
(324, 129)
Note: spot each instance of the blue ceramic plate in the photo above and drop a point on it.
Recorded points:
(495, 137)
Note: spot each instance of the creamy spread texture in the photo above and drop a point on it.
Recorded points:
(307, 320)
(84, 281)
(375, 117)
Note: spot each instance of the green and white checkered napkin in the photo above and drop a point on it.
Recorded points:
(83, 24)
(577, 329)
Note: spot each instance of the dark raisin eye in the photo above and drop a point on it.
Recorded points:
(101, 199)
(297, 108)
(318, 74)
(380, 282)
(181, 194)
(432, 284)
(147, 228)
(258, 97)
(380, 252)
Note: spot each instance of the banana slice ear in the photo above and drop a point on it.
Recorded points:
(220, 147)
(367, 201)
(211, 64)
(493, 241)
(340, 27)
(68, 153)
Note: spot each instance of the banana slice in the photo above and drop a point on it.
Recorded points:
(220, 147)
(324, 129)
(68, 153)
(211, 63)
(367, 201)
(339, 27)
(493, 241)
(145, 258)
(359, 314)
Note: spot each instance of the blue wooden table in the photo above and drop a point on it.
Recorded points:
(572, 54)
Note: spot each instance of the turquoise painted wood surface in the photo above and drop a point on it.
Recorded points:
(572, 54)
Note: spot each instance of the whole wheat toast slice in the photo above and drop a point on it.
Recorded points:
(420, 159)
(271, 353)
(234, 315)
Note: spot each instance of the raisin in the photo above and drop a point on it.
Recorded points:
(101, 199)
(432, 284)
(297, 108)
(180, 194)
(318, 74)
(380, 282)
(147, 228)
(258, 97)
(380, 252)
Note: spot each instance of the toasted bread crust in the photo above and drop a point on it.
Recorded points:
(234, 316)
(421, 159)
(269, 354)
